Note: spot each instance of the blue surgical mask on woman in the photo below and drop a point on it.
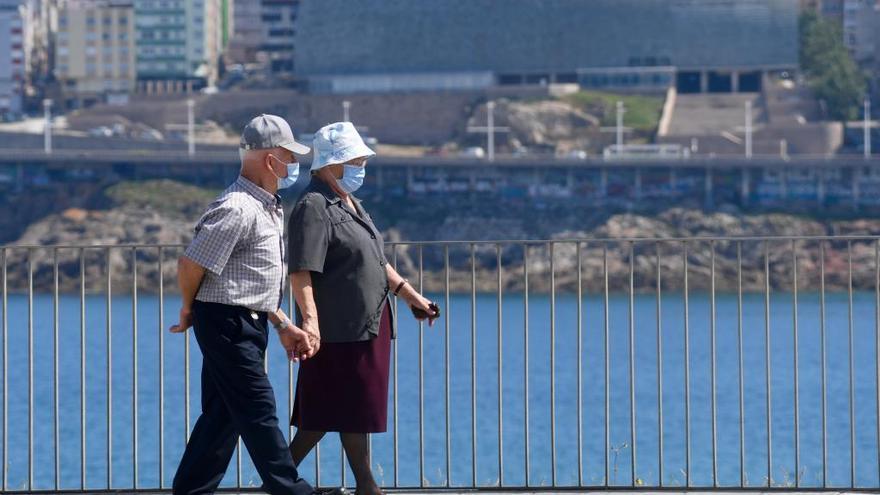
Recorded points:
(352, 178)
(292, 175)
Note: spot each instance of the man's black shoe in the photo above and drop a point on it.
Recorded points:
(331, 491)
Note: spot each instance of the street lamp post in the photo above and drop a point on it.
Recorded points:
(47, 127)
(749, 129)
(489, 130)
(867, 128)
(191, 125)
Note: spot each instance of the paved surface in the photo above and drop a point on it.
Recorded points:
(491, 491)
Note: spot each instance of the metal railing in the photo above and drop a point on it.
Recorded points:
(583, 363)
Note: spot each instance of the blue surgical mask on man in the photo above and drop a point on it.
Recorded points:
(352, 178)
(292, 174)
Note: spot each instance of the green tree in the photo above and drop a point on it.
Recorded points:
(830, 71)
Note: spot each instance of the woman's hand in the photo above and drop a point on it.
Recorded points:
(419, 303)
(310, 328)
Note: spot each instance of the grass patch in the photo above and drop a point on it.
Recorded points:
(167, 197)
(642, 112)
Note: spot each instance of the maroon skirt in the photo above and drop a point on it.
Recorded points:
(344, 387)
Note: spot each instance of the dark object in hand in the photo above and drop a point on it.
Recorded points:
(421, 314)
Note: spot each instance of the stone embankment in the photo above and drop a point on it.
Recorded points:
(139, 214)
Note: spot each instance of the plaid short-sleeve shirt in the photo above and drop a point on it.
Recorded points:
(239, 242)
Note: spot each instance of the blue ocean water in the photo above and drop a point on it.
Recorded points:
(431, 468)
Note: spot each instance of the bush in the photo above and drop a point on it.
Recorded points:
(642, 112)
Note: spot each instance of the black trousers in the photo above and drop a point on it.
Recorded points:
(237, 400)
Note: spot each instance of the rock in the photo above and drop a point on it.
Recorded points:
(87, 234)
(540, 124)
(75, 214)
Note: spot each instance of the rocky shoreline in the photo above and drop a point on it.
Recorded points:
(138, 221)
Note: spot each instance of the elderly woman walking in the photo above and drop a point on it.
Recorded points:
(342, 282)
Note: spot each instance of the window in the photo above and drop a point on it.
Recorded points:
(278, 33)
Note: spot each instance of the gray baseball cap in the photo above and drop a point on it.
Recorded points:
(270, 131)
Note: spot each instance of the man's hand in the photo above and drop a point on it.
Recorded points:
(184, 321)
(296, 343)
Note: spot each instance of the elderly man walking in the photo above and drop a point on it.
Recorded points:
(231, 280)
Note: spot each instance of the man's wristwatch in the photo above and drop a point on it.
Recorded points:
(285, 323)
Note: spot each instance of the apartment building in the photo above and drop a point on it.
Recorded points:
(94, 51)
(13, 62)
(180, 42)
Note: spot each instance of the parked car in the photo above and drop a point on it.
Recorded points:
(473, 152)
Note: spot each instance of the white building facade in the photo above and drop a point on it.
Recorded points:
(94, 49)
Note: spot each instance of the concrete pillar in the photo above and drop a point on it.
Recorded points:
(603, 183)
(784, 184)
(569, 179)
(673, 180)
(820, 187)
(19, 177)
(704, 81)
(856, 187)
(734, 81)
(380, 178)
(409, 179)
(710, 187)
(637, 188)
(745, 186)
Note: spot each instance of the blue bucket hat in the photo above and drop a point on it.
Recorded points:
(338, 143)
